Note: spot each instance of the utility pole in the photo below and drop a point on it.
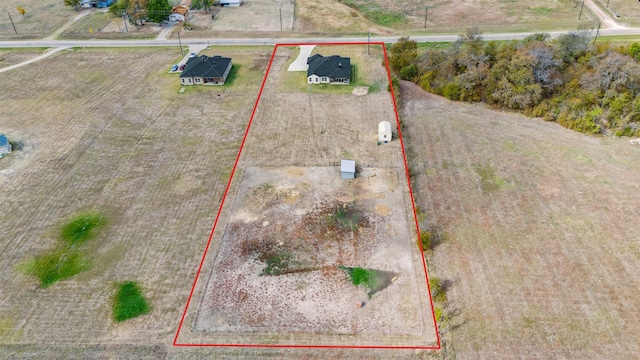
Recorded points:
(368, 41)
(124, 20)
(180, 42)
(581, 7)
(426, 13)
(280, 18)
(607, 4)
(14, 25)
(597, 33)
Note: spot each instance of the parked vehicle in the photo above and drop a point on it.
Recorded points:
(182, 67)
(174, 67)
(192, 55)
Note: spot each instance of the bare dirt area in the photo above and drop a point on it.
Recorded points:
(119, 140)
(256, 15)
(535, 231)
(289, 231)
(274, 263)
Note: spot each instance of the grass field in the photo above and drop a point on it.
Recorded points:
(535, 226)
(40, 20)
(121, 141)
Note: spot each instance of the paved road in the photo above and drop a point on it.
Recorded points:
(272, 41)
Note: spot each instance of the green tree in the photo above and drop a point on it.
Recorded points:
(119, 7)
(74, 3)
(158, 10)
(402, 54)
(137, 11)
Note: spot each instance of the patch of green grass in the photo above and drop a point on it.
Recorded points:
(371, 279)
(129, 302)
(233, 75)
(87, 26)
(542, 10)
(277, 264)
(376, 14)
(425, 241)
(55, 266)
(81, 228)
(489, 180)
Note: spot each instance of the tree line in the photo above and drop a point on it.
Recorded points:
(591, 88)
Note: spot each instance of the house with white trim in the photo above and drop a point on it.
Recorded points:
(328, 70)
(206, 70)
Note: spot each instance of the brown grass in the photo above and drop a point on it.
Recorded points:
(543, 263)
(120, 140)
(40, 20)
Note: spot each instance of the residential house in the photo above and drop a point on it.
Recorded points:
(328, 70)
(5, 146)
(205, 70)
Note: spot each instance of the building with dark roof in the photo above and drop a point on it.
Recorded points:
(328, 70)
(205, 70)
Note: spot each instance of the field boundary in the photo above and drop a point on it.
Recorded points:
(226, 191)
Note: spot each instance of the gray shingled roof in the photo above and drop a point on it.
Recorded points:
(333, 66)
(205, 66)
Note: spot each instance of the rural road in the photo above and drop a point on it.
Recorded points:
(610, 27)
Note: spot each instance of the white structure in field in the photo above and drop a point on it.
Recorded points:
(232, 3)
(384, 132)
(348, 169)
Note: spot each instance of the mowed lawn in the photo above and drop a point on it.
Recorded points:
(537, 227)
(106, 131)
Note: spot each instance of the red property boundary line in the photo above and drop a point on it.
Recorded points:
(413, 207)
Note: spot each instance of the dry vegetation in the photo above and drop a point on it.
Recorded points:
(119, 140)
(42, 17)
(536, 228)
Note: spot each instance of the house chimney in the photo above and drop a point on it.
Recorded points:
(339, 64)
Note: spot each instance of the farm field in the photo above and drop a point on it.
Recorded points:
(533, 229)
(40, 20)
(120, 141)
(381, 16)
(279, 213)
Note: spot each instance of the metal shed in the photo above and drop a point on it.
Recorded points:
(348, 169)
(5, 146)
(384, 132)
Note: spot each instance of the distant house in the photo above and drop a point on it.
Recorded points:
(180, 12)
(205, 70)
(5, 146)
(233, 3)
(384, 132)
(328, 70)
(348, 169)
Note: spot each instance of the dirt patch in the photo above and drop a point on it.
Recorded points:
(277, 269)
(360, 90)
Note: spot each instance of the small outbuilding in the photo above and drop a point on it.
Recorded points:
(348, 169)
(384, 132)
(232, 3)
(5, 146)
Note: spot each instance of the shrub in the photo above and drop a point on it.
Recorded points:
(451, 91)
(425, 241)
(57, 265)
(438, 292)
(129, 302)
(80, 229)
(409, 72)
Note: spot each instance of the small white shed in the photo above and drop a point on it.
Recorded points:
(384, 132)
(348, 169)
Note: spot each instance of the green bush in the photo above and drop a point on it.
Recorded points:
(129, 302)
(425, 241)
(409, 72)
(451, 91)
(80, 229)
(57, 265)
(438, 293)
